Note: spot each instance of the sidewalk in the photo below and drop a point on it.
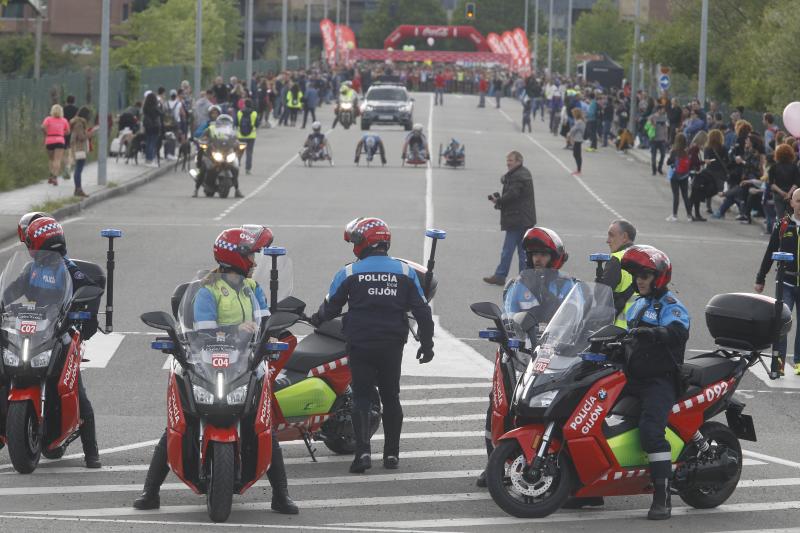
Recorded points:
(121, 179)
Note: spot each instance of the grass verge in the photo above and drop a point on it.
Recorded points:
(51, 205)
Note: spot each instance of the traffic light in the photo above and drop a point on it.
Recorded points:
(470, 11)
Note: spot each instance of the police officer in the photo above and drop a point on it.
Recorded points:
(225, 302)
(545, 254)
(659, 327)
(42, 233)
(379, 291)
(247, 121)
(621, 236)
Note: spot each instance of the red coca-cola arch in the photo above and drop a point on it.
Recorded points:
(410, 31)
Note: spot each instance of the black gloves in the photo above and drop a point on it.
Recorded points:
(643, 334)
(315, 320)
(425, 355)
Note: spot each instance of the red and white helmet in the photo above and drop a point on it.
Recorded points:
(366, 233)
(642, 258)
(45, 233)
(545, 240)
(233, 246)
(26, 220)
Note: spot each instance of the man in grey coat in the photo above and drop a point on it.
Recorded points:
(517, 214)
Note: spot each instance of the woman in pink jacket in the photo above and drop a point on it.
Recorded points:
(55, 127)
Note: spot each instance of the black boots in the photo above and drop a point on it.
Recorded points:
(281, 502)
(362, 460)
(361, 464)
(156, 475)
(391, 462)
(662, 503)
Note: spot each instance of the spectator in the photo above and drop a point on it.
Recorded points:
(658, 144)
(748, 167)
(679, 176)
(310, 103)
(694, 125)
(205, 101)
(483, 88)
(770, 129)
(608, 118)
(153, 125)
(55, 128)
(220, 91)
(497, 85)
(575, 137)
(674, 116)
(783, 178)
(517, 205)
(294, 102)
(591, 122)
(710, 178)
(439, 85)
(79, 145)
(247, 121)
(527, 104)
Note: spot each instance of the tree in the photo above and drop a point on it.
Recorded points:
(602, 31)
(495, 16)
(17, 56)
(559, 54)
(390, 13)
(163, 34)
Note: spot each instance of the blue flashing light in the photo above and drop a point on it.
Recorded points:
(277, 346)
(111, 233)
(491, 334)
(600, 257)
(274, 250)
(515, 344)
(782, 256)
(435, 233)
(162, 345)
(594, 357)
(79, 315)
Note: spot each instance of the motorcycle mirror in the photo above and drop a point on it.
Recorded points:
(529, 321)
(279, 321)
(86, 294)
(292, 305)
(486, 310)
(607, 333)
(158, 320)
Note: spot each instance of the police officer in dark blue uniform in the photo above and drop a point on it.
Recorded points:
(540, 289)
(46, 274)
(379, 291)
(659, 326)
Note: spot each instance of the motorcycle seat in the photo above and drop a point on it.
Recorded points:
(627, 407)
(707, 369)
(315, 350)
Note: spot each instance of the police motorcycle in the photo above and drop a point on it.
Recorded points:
(347, 113)
(219, 396)
(576, 434)
(518, 325)
(219, 165)
(313, 397)
(42, 349)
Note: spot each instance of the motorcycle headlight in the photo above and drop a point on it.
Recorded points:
(10, 358)
(238, 395)
(231, 157)
(42, 359)
(218, 157)
(201, 395)
(346, 107)
(544, 399)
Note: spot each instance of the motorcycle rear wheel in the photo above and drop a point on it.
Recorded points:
(220, 486)
(712, 495)
(338, 435)
(502, 488)
(22, 433)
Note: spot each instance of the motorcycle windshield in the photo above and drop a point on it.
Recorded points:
(531, 299)
(220, 320)
(35, 293)
(587, 308)
(224, 127)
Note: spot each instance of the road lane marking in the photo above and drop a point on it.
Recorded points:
(583, 516)
(107, 451)
(455, 418)
(567, 169)
(100, 349)
(296, 482)
(446, 401)
(442, 386)
(771, 459)
(257, 189)
(209, 524)
(371, 501)
(454, 358)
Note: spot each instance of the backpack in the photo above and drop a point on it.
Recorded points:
(682, 165)
(650, 130)
(169, 116)
(245, 123)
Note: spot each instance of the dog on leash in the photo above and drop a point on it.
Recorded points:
(184, 155)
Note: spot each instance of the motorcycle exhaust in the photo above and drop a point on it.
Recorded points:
(717, 470)
(110, 234)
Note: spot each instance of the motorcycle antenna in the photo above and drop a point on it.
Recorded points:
(110, 234)
(274, 252)
(435, 235)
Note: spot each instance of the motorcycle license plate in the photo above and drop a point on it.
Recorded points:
(385, 117)
(219, 360)
(540, 365)
(28, 327)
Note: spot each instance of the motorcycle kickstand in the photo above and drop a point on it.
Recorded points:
(311, 451)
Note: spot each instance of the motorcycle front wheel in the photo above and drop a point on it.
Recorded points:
(710, 495)
(519, 493)
(220, 486)
(22, 433)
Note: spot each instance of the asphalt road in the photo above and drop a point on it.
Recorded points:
(168, 237)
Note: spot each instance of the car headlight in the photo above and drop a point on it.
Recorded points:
(231, 157)
(10, 358)
(544, 399)
(218, 157)
(406, 108)
(367, 107)
(237, 395)
(201, 395)
(42, 359)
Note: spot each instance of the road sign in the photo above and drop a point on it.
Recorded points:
(663, 82)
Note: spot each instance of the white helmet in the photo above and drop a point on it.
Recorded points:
(418, 127)
(316, 126)
(348, 83)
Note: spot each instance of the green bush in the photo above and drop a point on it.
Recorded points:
(23, 159)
